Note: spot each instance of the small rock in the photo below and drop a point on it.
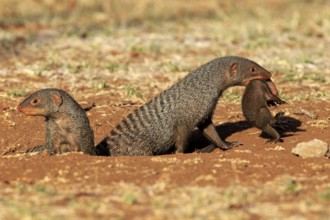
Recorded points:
(313, 148)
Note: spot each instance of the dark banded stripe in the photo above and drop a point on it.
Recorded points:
(158, 106)
(145, 114)
(131, 121)
(160, 110)
(140, 120)
(113, 142)
(118, 128)
(125, 126)
(153, 111)
(170, 102)
(162, 102)
(113, 132)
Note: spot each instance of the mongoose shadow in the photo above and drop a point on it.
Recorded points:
(198, 141)
(286, 126)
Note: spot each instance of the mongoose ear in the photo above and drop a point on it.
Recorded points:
(57, 99)
(233, 69)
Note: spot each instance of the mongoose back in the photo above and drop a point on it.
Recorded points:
(255, 101)
(168, 120)
(67, 125)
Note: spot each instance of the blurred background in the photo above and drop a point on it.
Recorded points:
(89, 44)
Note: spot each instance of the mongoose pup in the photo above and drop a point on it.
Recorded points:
(255, 101)
(168, 120)
(67, 125)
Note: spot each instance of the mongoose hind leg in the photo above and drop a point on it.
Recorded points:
(181, 140)
(271, 131)
(210, 133)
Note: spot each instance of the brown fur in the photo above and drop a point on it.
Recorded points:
(254, 106)
(67, 125)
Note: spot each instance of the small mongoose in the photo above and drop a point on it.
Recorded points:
(165, 123)
(255, 101)
(67, 125)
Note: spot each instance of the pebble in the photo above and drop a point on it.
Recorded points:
(313, 148)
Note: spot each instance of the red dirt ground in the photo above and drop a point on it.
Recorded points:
(255, 161)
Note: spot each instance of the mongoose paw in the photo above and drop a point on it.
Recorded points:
(279, 114)
(271, 103)
(207, 149)
(179, 152)
(230, 145)
(273, 141)
(38, 148)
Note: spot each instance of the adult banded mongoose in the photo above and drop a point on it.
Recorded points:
(67, 125)
(255, 101)
(168, 120)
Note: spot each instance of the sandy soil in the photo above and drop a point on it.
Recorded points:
(254, 164)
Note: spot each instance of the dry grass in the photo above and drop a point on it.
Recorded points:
(162, 201)
(90, 42)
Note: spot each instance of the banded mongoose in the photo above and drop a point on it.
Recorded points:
(168, 120)
(67, 125)
(255, 101)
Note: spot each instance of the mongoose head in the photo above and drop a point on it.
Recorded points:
(262, 89)
(243, 70)
(44, 102)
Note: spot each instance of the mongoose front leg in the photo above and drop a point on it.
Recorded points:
(210, 133)
(181, 141)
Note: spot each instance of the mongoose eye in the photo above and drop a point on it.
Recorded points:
(34, 101)
(253, 69)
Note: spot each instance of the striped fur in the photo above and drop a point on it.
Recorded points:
(165, 123)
